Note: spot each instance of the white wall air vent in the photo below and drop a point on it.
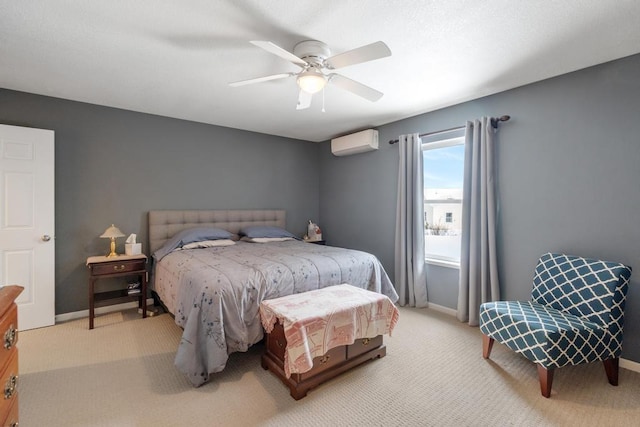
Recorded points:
(359, 142)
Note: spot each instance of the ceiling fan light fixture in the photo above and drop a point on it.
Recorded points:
(311, 81)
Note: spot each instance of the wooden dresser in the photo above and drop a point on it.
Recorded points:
(9, 355)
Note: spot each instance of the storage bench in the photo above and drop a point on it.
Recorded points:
(317, 335)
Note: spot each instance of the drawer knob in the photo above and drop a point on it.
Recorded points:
(10, 337)
(10, 387)
(279, 344)
(324, 359)
(118, 267)
(366, 341)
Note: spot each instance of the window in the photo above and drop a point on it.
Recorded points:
(443, 174)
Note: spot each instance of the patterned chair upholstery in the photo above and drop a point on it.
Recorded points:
(575, 316)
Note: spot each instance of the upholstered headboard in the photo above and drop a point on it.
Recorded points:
(164, 224)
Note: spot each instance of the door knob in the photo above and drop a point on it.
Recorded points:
(46, 238)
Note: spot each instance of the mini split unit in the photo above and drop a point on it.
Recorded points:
(358, 142)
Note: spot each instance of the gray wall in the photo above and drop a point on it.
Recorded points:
(569, 177)
(113, 166)
(569, 169)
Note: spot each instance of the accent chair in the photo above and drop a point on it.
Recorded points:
(575, 315)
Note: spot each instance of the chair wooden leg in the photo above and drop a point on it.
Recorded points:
(546, 378)
(612, 367)
(487, 345)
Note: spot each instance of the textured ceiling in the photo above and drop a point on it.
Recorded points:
(176, 58)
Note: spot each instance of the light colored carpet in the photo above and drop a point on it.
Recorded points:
(122, 374)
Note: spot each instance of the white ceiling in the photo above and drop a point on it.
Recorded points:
(176, 58)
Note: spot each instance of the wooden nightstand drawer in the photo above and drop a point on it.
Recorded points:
(113, 267)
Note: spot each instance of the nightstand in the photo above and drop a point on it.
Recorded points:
(317, 242)
(102, 267)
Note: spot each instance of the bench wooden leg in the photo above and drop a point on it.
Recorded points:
(487, 345)
(546, 378)
(612, 367)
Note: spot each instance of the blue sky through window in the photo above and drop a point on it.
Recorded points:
(443, 167)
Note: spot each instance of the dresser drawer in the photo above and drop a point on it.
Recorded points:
(362, 345)
(277, 343)
(11, 419)
(8, 333)
(9, 383)
(113, 267)
(331, 358)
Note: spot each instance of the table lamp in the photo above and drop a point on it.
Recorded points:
(111, 233)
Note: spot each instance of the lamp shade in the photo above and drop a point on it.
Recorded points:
(112, 231)
(311, 81)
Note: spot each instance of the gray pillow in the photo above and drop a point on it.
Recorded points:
(190, 235)
(265, 231)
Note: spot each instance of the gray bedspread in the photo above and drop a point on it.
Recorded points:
(214, 293)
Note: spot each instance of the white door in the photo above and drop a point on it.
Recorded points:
(27, 248)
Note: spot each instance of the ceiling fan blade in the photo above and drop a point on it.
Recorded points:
(304, 100)
(354, 87)
(260, 79)
(282, 53)
(358, 55)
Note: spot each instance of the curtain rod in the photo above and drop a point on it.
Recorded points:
(494, 124)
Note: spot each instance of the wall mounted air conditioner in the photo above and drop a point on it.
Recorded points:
(358, 142)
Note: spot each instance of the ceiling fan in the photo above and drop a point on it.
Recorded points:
(316, 63)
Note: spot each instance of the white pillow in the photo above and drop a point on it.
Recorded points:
(266, 239)
(209, 244)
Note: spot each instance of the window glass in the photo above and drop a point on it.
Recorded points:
(443, 174)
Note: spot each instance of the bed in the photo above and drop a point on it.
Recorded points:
(214, 292)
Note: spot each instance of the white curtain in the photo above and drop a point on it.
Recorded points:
(410, 277)
(478, 260)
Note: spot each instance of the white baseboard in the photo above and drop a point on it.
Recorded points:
(624, 363)
(630, 365)
(443, 309)
(65, 317)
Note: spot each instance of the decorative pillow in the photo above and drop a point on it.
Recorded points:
(190, 235)
(265, 239)
(209, 244)
(262, 231)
